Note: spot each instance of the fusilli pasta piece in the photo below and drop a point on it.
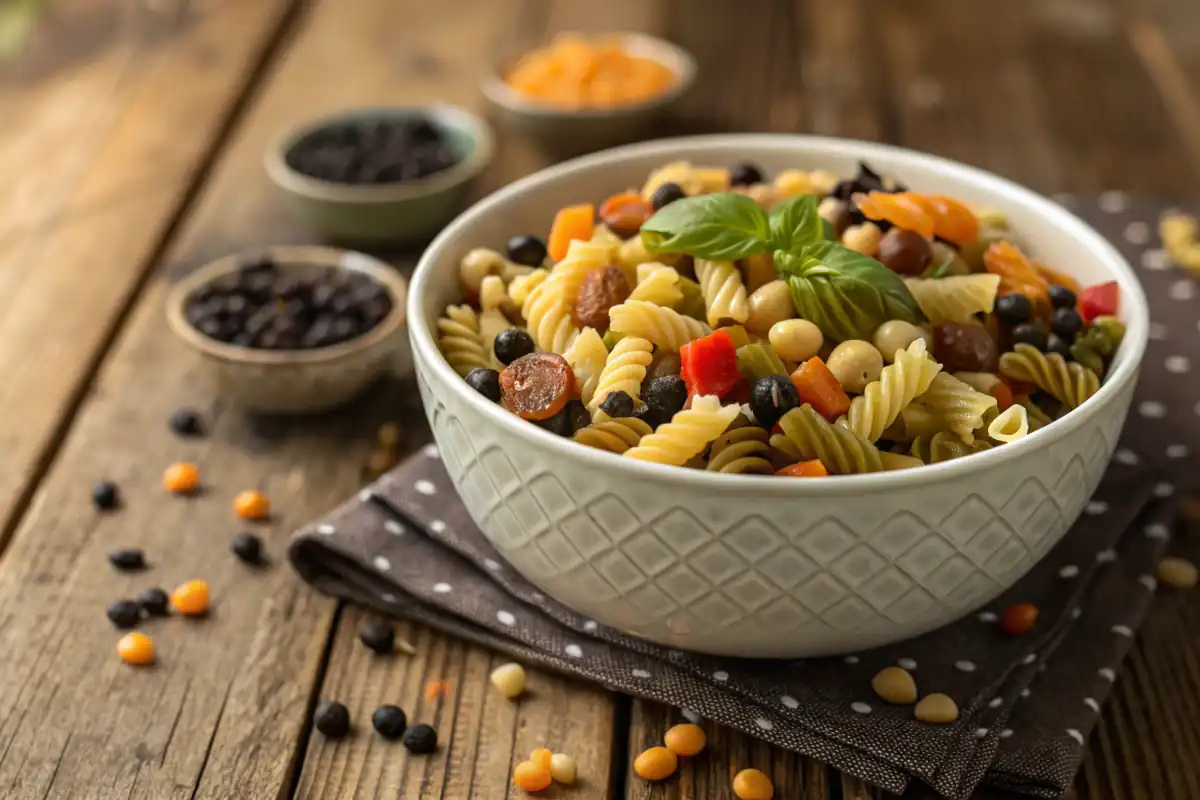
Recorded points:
(1038, 418)
(741, 450)
(523, 285)
(962, 407)
(1068, 382)
(914, 420)
(724, 293)
(459, 339)
(614, 435)
(663, 326)
(624, 370)
(1010, 425)
(893, 461)
(842, 451)
(660, 286)
(882, 400)
(795, 181)
(942, 447)
(483, 261)
(957, 298)
(587, 356)
(687, 434)
(548, 317)
(693, 180)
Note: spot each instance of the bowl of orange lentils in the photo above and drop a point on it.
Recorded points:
(586, 92)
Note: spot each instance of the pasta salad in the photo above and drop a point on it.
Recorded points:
(799, 325)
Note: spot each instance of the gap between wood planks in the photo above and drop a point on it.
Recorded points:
(209, 157)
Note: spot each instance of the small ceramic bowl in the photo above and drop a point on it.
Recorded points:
(389, 212)
(566, 132)
(296, 381)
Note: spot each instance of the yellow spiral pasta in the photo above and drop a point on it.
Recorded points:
(614, 435)
(460, 341)
(957, 298)
(495, 305)
(942, 446)
(914, 420)
(548, 317)
(842, 451)
(693, 180)
(894, 461)
(792, 182)
(741, 450)
(687, 434)
(624, 370)
(962, 407)
(1068, 382)
(483, 261)
(660, 285)
(881, 402)
(662, 326)
(522, 286)
(587, 356)
(1010, 425)
(724, 293)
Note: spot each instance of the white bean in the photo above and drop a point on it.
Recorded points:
(770, 303)
(509, 679)
(863, 238)
(896, 334)
(855, 363)
(795, 339)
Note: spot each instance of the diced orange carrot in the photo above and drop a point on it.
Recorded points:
(572, 222)
(817, 386)
(1051, 275)
(805, 469)
(1002, 393)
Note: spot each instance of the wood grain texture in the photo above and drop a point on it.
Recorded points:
(109, 112)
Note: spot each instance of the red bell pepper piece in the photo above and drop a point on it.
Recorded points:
(1101, 300)
(708, 366)
(817, 386)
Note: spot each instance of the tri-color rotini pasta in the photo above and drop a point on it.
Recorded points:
(718, 319)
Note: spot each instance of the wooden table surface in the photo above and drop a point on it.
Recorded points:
(130, 153)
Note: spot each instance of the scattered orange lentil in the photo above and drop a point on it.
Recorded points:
(573, 73)
(190, 598)
(251, 504)
(751, 784)
(534, 775)
(685, 739)
(136, 648)
(1019, 618)
(436, 689)
(655, 763)
(181, 478)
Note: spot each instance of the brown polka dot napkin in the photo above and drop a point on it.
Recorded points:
(406, 546)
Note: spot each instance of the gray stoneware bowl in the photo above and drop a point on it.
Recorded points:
(754, 565)
(563, 132)
(296, 381)
(386, 213)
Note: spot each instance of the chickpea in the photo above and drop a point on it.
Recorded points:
(795, 339)
(863, 238)
(855, 363)
(770, 303)
(509, 680)
(563, 768)
(896, 334)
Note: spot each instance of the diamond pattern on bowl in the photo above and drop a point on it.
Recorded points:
(825, 541)
(682, 532)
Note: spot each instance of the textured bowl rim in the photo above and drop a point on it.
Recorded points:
(275, 159)
(675, 58)
(288, 256)
(1135, 313)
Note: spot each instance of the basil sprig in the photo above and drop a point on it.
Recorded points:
(844, 293)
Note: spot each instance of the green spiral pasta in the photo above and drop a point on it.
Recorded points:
(914, 420)
(1067, 381)
(842, 451)
(1037, 417)
(614, 435)
(942, 447)
(1095, 345)
(759, 360)
(881, 402)
(687, 434)
(742, 450)
(964, 409)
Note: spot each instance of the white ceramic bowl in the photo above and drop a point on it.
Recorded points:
(750, 565)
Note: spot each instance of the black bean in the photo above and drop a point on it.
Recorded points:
(124, 613)
(186, 422)
(617, 405)
(154, 601)
(578, 415)
(1057, 344)
(420, 739)
(666, 396)
(247, 547)
(1066, 322)
(486, 382)
(511, 344)
(127, 559)
(1013, 309)
(745, 174)
(1061, 296)
(376, 634)
(332, 719)
(526, 249)
(389, 721)
(106, 496)
(771, 398)
(666, 194)
(1032, 333)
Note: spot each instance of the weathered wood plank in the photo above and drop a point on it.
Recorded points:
(109, 112)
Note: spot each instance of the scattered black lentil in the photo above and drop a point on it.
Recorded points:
(420, 739)
(373, 152)
(666, 194)
(265, 307)
(154, 601)
(247, 547)
(187, 422)
(332, 719)
(127, 559)
(745, 174)
(389, 721)
(124, 613)
(486, 382)
(617, 405)
(377, 634)
(527, 250)
(511, 344)
(106, 496)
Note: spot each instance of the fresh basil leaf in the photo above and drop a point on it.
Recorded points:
(796, 223)
(844, 293)
(721, 227)
(827, 231)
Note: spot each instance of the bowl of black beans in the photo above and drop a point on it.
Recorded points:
(293, 329)
(380, 175)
